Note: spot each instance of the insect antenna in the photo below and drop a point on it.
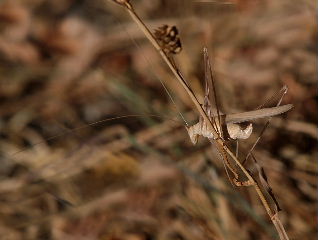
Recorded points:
(177, 48)
(69, 131)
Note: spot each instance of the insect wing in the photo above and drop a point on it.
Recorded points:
(256, 114)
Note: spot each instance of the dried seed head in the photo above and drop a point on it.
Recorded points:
(168, 39)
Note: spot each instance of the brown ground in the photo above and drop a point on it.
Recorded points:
(65, 64)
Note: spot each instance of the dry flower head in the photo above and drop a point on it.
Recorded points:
(168, 39)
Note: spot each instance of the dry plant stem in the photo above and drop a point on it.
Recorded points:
(220, 142)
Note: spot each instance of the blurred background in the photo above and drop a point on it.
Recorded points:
(65, 64)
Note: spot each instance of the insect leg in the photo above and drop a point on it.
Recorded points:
(210, 83)
(227, 165)
(283, 92)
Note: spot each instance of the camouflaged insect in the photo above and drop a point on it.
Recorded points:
(227, 126)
